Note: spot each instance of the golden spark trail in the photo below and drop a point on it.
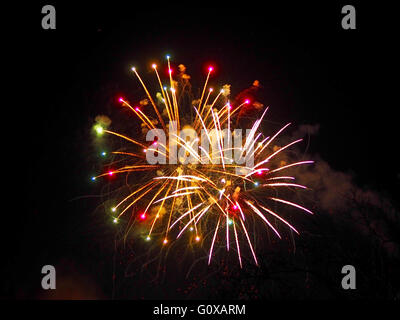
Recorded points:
(151, 99)
(124, 137)
(213, 241)
(291, 204)
(148, 124)
(237, 245)
(163, 93)
(258, 212)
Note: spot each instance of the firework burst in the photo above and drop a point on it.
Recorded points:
(206, 193)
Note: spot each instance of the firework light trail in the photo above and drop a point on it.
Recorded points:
(200, 194)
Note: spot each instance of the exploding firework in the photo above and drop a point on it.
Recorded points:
(207, 193)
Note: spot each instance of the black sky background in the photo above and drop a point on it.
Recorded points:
(313, 72)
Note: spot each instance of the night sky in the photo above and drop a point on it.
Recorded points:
(312, 71)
